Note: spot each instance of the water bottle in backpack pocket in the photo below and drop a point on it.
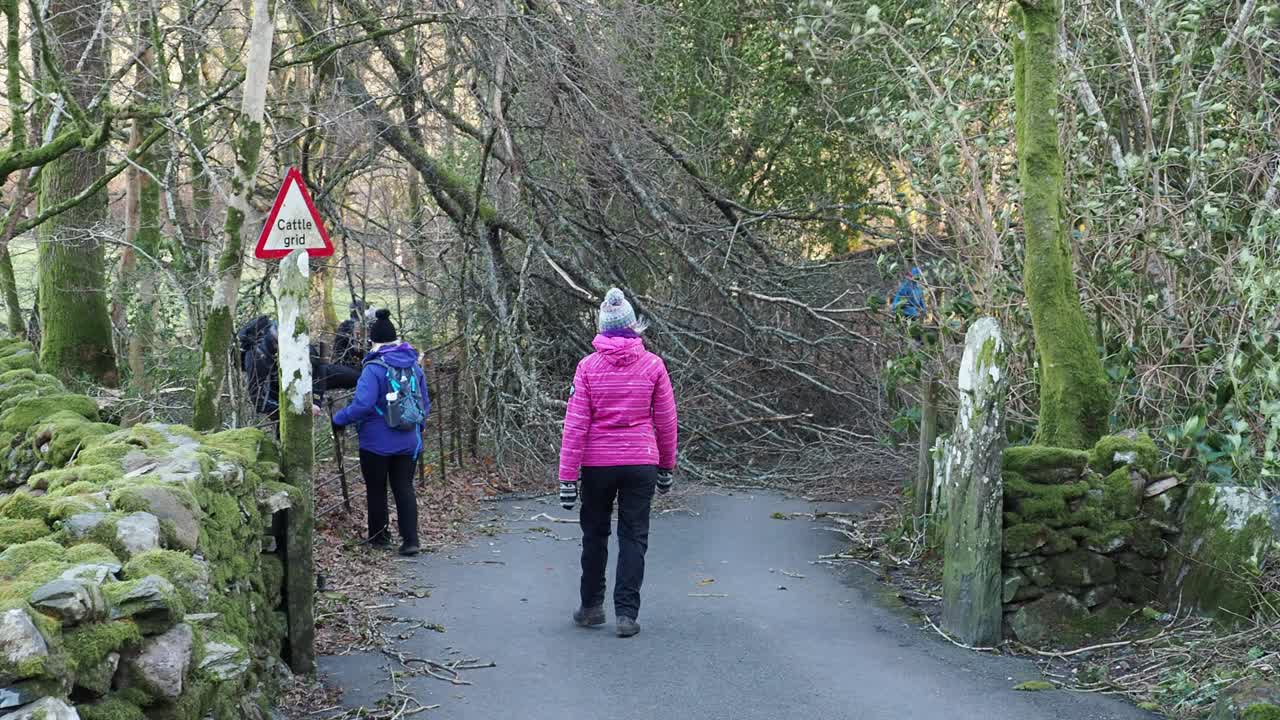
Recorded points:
(404, 401)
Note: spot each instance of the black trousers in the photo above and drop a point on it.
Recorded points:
(398, 470)
(633, 486)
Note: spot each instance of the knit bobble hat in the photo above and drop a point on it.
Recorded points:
(617, 314)
(382, 330)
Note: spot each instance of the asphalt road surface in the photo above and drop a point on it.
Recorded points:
(728, 631)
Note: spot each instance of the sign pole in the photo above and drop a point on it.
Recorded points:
(297, 451)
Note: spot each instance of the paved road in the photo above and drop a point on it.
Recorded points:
(823, 648)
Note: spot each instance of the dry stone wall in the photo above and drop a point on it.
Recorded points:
(138, 572)
(1086, 535)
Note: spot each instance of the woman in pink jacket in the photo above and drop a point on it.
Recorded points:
(619, 441)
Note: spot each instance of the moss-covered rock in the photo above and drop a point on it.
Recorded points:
(112, 708)
(1049, 619)
(1227, 534)
(1132, 449)
(21, 414)
(88, 645)
(1036, 502)
(17, 558)
(16, 532)
(1082, 569)
(188, 575)
(57, 438)
(24, 506)
(95, 476)
(1042, 464)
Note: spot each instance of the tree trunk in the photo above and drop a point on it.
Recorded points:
(76, 328)
(1074, 399)
(219, 332)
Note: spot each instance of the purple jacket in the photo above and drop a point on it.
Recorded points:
(370, 404)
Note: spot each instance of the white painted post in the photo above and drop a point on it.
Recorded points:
(297, 451)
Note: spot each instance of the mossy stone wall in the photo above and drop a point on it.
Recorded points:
(1083, 542)
(131, 569)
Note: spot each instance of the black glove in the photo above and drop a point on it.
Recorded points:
(665, 480)
(568, 494)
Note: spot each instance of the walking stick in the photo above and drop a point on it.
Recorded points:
(337, 451)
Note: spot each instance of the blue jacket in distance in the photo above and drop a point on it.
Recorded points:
(369, 405)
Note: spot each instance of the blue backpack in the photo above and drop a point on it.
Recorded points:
(405, 411)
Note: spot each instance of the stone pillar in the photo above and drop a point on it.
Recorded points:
(971, 592)
(297, 452)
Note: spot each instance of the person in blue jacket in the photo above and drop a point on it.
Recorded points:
(388, 454)
(909, 300)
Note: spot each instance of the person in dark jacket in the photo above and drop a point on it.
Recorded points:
(387, 455)
(260, 348)
(346, 343)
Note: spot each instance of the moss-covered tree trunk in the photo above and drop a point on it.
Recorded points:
(1074, 399)
(219, 330)
(76, 336)
(146, 236)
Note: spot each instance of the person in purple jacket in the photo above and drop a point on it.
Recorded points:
(388, 410)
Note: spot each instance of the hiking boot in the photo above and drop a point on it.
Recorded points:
(409, 549)
(627, 627)
(587, 617)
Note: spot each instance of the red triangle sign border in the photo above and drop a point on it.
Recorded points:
(261, 251)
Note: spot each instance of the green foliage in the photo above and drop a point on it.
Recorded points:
(89, 645)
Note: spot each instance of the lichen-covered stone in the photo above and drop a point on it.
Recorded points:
(1227, 534)
(971, 588)
(169, 504)
(23, 648)
(138, 533)
(161, 667)
(150, 599)
(71, 602)
(44, 709)
(223, 661)
(78, 527)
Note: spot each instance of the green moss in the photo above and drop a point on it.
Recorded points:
(63, 434)
(1041, 503)
(89, 645)
(1102, 458)
(43, 572)
(1035, 686)
(271, 579)
(25, 506)
(249, 445)
(17, 532)
(16, 559)
(62, 508)
(21, 415)
(152, 616)
(112, 708)
(1262, 711)
(1041, 459)
(187, 575)
(1075, 402)
(128, 498)
(1118, 495)
(1148, 541)
(107, 453)
(1024, 538)
(78, 474)
(91, 553)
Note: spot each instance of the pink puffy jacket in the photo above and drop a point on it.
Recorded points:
(621, 410)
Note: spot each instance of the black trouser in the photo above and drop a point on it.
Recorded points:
(377, 470)
(633, 486)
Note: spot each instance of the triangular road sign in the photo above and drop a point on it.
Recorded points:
(293, 223)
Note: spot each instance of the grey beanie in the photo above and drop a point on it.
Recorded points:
(617, 314)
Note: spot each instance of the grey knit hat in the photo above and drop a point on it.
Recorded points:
(617, 314)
